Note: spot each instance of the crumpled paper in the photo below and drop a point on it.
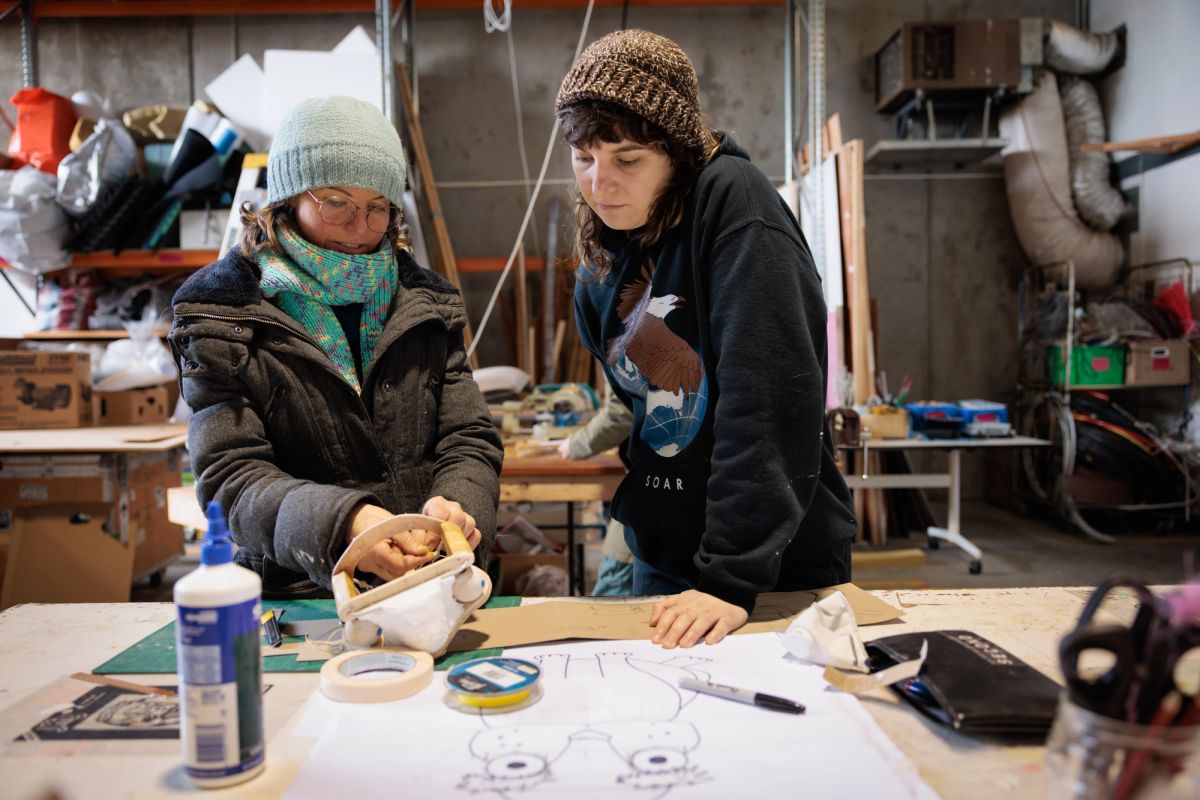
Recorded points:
(826, 633)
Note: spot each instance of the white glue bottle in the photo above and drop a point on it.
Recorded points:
(220, 664)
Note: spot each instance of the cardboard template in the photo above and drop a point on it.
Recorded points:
(571, 619)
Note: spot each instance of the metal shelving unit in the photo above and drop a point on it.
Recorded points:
(1044, 407)
(137, 262)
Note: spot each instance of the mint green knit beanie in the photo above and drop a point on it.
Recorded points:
(335, 141)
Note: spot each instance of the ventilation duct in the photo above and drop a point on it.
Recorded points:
(1099, 203)
(1038, 179)
(1078, 52)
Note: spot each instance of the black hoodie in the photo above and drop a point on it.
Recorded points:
(720, 355)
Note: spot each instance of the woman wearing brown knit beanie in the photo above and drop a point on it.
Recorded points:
(697, 292)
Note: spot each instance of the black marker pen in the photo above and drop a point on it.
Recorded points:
(748, 696)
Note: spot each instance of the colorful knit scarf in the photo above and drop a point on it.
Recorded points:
(306, 280)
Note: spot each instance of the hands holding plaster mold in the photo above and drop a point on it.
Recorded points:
(683, 619)
(450, 511)
(408, 550)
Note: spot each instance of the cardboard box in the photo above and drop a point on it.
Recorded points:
(1164, 362)
(891, 423)
(40, 480)
(66, 554)
(45, 389)
(133, 406)
(157, 540)
(132, 486)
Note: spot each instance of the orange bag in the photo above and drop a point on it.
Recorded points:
(44, 124)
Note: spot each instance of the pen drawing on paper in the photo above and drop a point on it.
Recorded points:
(612, 722)
(633, 741)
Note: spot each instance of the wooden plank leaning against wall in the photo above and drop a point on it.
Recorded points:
(870, 504)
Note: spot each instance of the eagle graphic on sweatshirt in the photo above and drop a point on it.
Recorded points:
(661, 356)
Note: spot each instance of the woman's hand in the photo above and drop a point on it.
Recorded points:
(450, 511)
(364, 516)
(400, 553)
(396, 555)
(564, 448)
(683, 619)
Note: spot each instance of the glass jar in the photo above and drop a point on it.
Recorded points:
(1093, 757)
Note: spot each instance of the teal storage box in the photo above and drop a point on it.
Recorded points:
(1092, 365)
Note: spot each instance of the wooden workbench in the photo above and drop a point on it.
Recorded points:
(113, 439)
(45, 643)
(549, 478)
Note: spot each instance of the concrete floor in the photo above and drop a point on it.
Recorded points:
(1026, 551)
(1017, 551)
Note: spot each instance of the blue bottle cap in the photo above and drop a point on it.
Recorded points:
(216, 547)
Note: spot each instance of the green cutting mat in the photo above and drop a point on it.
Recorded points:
(155, 654)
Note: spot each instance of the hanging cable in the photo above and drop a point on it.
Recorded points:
(512, 68)
(537, 187)
(492, 21)
(625, 15)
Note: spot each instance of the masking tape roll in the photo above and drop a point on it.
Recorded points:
(396, 674)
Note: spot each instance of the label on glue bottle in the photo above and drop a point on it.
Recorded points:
(220, 664)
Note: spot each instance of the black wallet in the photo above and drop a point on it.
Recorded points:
(969, 683)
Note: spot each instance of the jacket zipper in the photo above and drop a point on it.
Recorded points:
(252, 318)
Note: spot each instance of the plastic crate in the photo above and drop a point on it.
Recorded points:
(985, 418)
(1092, 365)
(935, 420)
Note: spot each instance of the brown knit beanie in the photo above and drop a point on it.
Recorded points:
(645, 73)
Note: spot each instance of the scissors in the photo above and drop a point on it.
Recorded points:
(1143, 656)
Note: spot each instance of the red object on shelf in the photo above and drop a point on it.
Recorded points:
(1174, 301)
(43, 134)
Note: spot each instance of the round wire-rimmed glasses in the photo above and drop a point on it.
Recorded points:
(337, 210)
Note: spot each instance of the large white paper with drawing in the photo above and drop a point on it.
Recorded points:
(613, 723)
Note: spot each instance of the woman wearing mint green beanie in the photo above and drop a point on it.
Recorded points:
(325, 369)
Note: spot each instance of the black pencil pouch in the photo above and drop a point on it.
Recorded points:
(969, 683)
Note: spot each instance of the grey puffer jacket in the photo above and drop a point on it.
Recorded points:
(288, 446)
